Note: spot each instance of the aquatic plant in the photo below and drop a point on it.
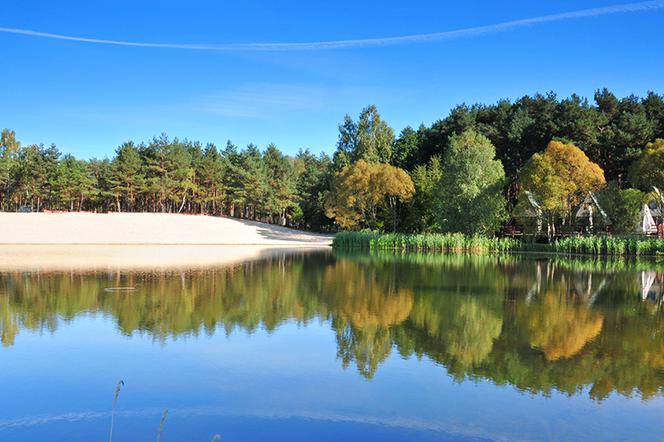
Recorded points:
(162, 424)
(116, 395)
(597, 245)
(434, 242)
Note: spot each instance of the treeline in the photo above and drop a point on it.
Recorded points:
(532, 162)
(173, 176)
(469, 172)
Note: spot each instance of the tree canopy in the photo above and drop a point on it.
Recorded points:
(648, 169)
(470, 194)
(559, 178)
(361, 190)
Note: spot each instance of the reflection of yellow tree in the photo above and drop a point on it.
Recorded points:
(561, 328)
(365, 303)
(365, 297)
(375, 309)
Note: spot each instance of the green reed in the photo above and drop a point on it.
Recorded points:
(596, 245)
(116, 395)
(435, 242)
(610, 245)
(162, 424)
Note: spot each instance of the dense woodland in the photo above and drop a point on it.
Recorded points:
(469, 172)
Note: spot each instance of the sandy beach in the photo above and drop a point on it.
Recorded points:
(140, 241)
(148, 228)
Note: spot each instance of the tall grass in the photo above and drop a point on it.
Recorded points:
(434, 242)
(610, 245)
(599, 245)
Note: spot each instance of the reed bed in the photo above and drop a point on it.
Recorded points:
(435, 242)
(610, 246)
(599, 245)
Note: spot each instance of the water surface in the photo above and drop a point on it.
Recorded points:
(317, 346)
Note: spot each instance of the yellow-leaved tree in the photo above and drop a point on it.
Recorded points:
(361, 190)
(557, 180)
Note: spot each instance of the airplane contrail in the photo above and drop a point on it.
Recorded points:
(367, 42)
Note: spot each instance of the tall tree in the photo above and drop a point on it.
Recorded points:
(9, 147)
(648, 170)
(361, 190)
(281, 192)
(369, 139)
(405, 149)
(313, 180)
(559, 179)
(128, 175)
(470, 196)
(421, 212)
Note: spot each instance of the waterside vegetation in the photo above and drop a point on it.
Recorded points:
(598, 245)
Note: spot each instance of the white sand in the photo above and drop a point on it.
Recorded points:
(148, 228)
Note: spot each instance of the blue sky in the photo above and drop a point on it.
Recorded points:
(88, 98)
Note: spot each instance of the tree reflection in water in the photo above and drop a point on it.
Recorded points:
(537, 325)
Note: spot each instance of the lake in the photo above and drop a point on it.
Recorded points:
(324, 346)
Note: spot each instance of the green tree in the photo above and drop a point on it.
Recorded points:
(648, 169)
(254, 177)
(623, 207)
(281, 191)
(421, 212)
(212, 176)
(9, 147)
(470, 196)
(313, 180)
(405, 149)
(128, 175)
(369, 139)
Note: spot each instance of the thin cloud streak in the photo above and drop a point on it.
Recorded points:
(359, 43)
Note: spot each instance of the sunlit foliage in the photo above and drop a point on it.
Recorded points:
(559, 179)
(360, 191)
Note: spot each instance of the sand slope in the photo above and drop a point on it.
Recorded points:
(147, 228)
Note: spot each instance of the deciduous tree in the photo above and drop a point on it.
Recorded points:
(470, 195)
(361, 190)
(560, 179)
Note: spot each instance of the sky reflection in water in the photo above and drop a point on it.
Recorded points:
(304, 346)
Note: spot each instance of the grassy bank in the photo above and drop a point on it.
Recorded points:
(600, 245)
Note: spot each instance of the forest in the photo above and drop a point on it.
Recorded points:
(478, 169)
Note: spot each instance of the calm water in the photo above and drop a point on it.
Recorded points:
(317, 346)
